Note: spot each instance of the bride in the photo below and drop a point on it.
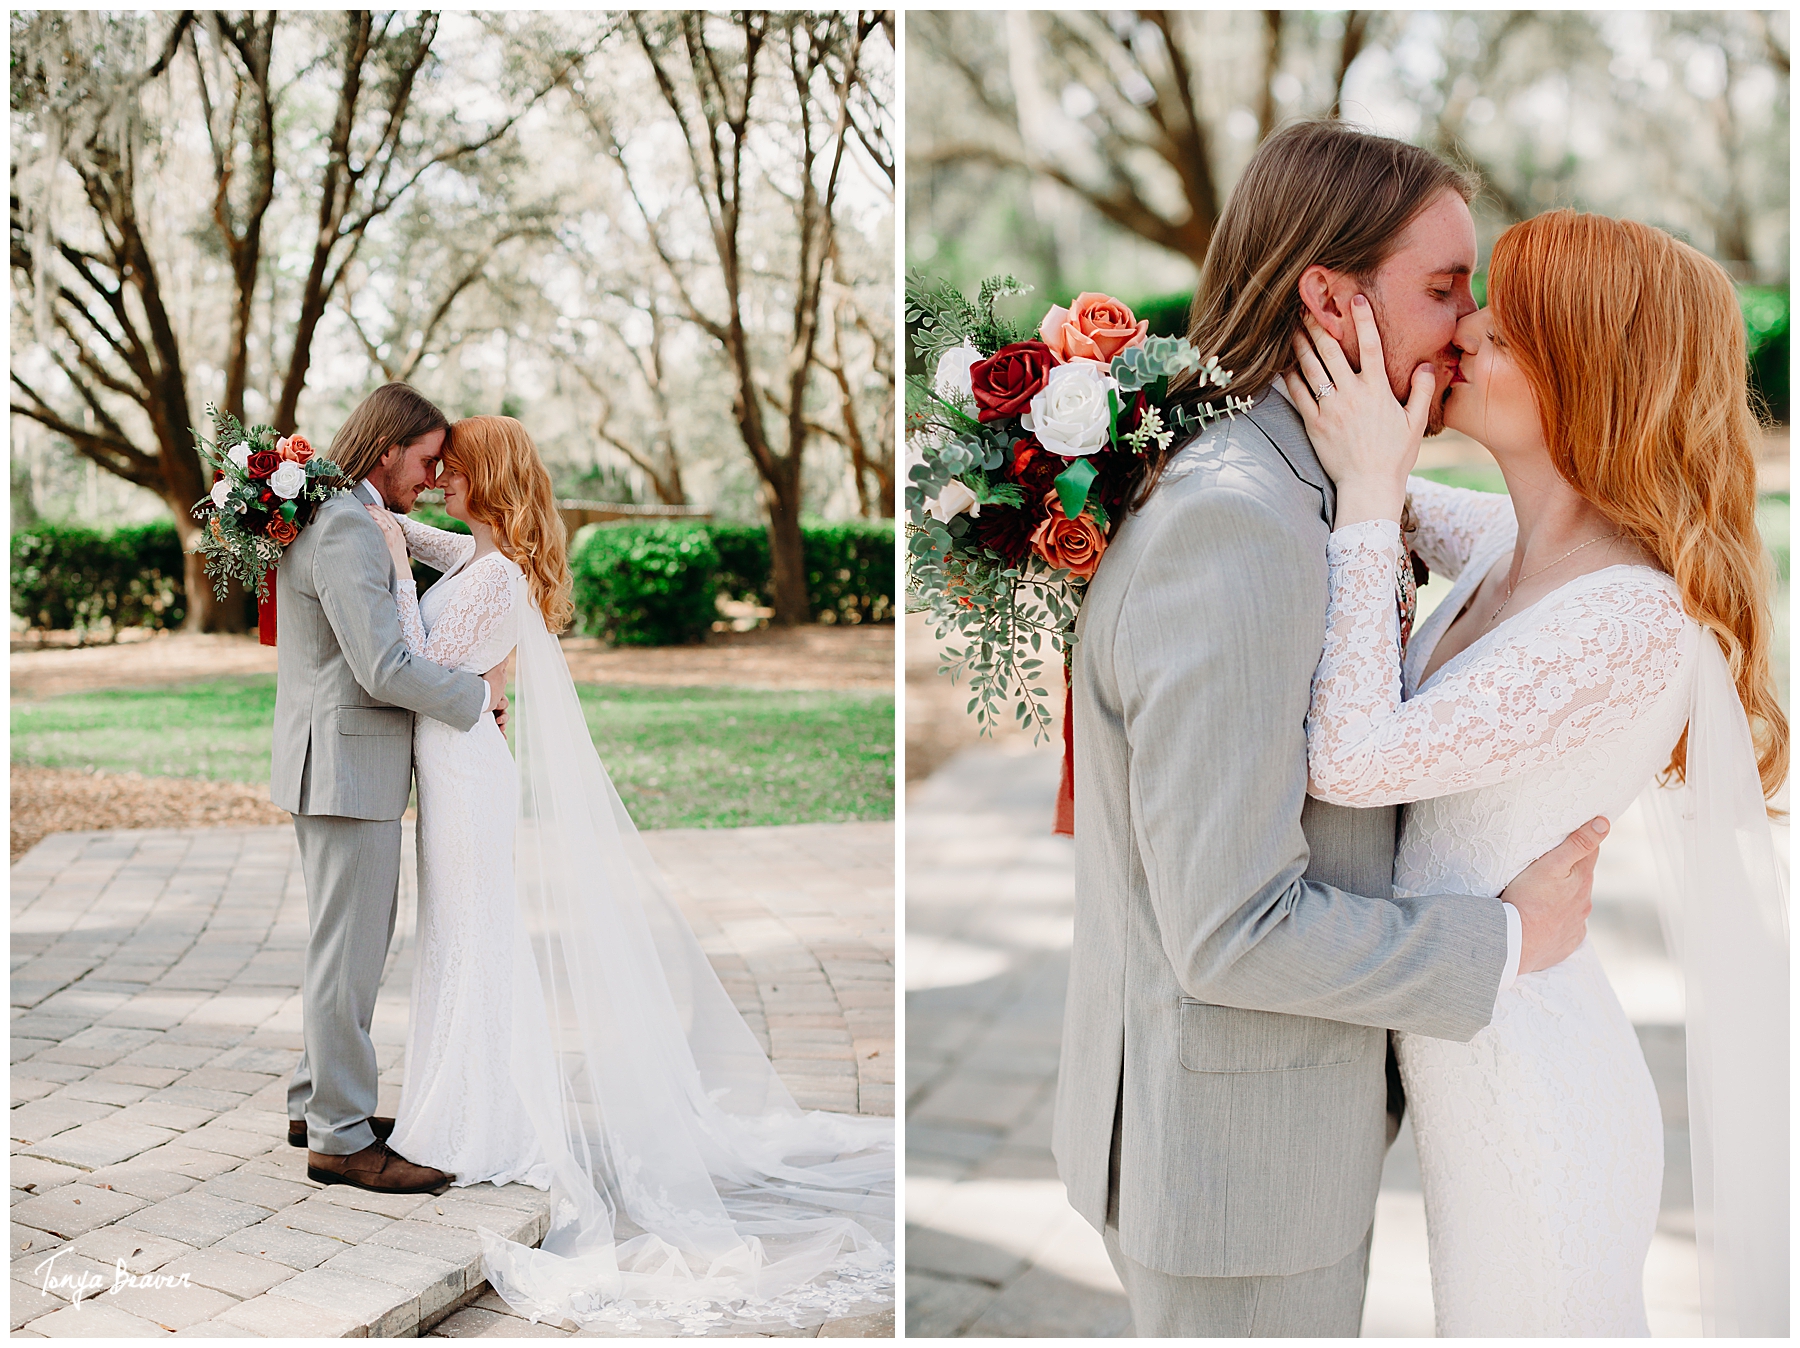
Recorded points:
(567, 1031)
(1608, 627)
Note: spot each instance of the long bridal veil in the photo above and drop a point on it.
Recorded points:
(687, 1185)
(1724, 912)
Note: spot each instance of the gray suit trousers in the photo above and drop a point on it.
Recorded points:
(1318, 1303)
(352, 871)
(1321, 1303)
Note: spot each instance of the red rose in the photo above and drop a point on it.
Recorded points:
(1072, 543)
(263, 462)
(1005, 383)
(282, 531)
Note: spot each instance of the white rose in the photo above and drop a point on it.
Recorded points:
(952, 382)
(240, 455)
(951, 501)
(221, 491)
(1070, 415)
(287, 480)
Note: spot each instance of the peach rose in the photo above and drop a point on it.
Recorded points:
(1096, 329)
(1075, 544)
(294, 449)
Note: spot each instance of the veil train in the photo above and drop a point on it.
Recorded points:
(687, 1185)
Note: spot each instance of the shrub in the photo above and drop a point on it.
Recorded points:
(69, 576)
(645, 584)
(849, 571)
(1766, 320)
(849, 568)
(743, 562)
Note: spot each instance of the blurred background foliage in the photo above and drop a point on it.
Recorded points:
(1094, 151)
(661, 240)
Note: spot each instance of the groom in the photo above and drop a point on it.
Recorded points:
(346, 691)
(1226, 1093)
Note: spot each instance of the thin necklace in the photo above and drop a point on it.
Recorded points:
(1513, 588)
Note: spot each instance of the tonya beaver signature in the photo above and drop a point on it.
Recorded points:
(83, 1282)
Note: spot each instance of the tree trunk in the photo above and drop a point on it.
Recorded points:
(786, 552)
(205, 613)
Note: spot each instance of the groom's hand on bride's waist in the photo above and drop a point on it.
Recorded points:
(1554, 896)
(496, 682)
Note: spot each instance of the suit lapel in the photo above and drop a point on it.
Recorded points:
(1276, 418)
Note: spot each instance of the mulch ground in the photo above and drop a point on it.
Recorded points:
(49, 800)
(56, 800)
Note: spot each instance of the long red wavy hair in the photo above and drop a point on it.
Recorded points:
(509, 491)
(1634, 344)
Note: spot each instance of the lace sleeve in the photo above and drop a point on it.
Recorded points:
(412, 626)
(482, 602)
(1452, 521)
(1584, 666)
(437, 548)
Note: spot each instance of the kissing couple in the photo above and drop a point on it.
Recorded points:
(1329, 867)
(567, 1031)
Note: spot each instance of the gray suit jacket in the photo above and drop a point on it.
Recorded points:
(1238, 953)
(346, 685)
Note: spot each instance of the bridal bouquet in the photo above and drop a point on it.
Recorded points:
(268, 490)
(1023, 452)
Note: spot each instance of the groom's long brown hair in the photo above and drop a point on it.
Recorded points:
(1314, 193)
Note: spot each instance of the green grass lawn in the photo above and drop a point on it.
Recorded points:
(681, 757)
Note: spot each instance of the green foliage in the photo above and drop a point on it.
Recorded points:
(938, 317)
(849, 571)
(1766, 317)
(743, 562)
(68, 576)
(1166, 314)
(645, 584)
(849, 567)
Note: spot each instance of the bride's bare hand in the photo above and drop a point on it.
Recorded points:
(1364, 438)
(395, 538)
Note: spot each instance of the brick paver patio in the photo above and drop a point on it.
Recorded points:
(156, 1016)
(992, 1246)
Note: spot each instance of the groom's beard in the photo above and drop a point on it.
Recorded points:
(1434, 420)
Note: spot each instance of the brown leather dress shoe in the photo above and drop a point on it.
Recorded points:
(384, 1129)
(378, 1170)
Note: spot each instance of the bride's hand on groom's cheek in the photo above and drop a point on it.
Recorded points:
(1364, 438)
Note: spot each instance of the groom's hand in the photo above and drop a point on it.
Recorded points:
(1554, 896)
(496, 681)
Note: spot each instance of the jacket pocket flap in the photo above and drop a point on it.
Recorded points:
(1232, 1039)
(374, 721)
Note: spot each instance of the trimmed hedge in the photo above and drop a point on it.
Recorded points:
(849, 567)
(69, 576)
(635, 584)
(849, 571)
(645, 584)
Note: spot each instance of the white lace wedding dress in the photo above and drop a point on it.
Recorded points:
(1540, 1140)
(568, 1031)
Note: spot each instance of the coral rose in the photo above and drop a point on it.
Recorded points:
(262, 463)
(1074, 544)
(1097, 328)
(282, 531)
(1005, 383)
(294, 448)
